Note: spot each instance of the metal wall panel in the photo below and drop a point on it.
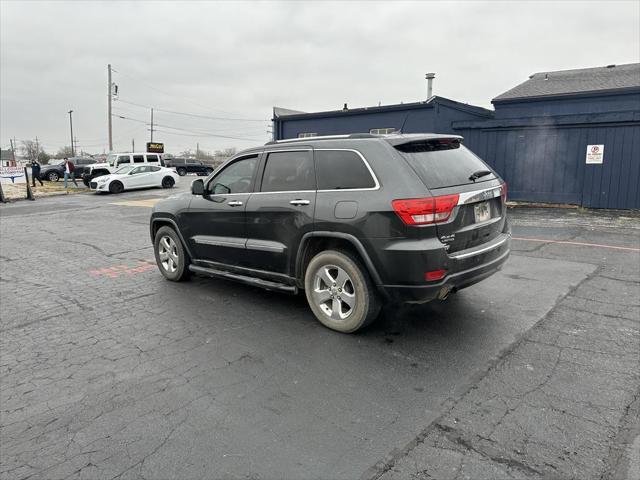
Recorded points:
(549, 165)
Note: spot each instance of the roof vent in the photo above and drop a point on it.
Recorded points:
(345, 107)
(546, 76)
(610, 66)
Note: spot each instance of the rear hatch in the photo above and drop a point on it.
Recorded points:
(458, 177)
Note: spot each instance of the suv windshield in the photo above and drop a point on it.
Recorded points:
(444, 163)
(111, 158)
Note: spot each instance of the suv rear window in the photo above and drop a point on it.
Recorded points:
(443, 162)
(342, 169)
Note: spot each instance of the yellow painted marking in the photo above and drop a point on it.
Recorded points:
(150, 202)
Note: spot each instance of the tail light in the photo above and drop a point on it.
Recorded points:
(423, 211)
(503, 192)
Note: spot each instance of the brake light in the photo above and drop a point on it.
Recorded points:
(503, 192)
(422, 211)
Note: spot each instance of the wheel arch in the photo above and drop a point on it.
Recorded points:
(159, 222)
(314, 242)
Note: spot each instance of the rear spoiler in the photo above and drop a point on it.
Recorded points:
(398, 140)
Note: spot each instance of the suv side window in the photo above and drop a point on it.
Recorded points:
(235, 178)
(152, 158)
(342, 169)
(122, 159)
(138, 159)
(288, 172)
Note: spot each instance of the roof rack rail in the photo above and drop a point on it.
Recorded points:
(323, 137)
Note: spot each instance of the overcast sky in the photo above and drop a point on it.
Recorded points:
(237, 60)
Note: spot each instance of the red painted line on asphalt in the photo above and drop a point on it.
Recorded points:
(581, 244)
(119, 270)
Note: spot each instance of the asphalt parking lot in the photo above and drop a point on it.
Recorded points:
(109, 371)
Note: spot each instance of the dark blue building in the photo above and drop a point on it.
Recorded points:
(561, 137)
(433, 115)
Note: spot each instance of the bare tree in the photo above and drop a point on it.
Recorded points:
(64, 152)
(30, 150)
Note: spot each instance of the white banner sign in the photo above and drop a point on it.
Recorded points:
(595, 154)
(12, 175)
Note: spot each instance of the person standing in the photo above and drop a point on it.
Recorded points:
(35, 173)
(69, 171)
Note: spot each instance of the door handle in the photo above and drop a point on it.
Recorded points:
(235, 203)
(299, 202)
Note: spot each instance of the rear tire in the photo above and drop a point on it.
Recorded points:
(182, 172)
(116, 187)
(340, 292)
(168, 182)
(53, 176)
(171, 256)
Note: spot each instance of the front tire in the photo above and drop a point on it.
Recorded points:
(168, 182)
(53, 176)
(182, 172)
(116, 187)
(340, 292)
(170, 254)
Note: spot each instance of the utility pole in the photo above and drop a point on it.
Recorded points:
(109, 95)
(133, 145)
(75, 145)
(13, 151)
(152, 125)
(37, 149)
(73, 151)
(197, 150)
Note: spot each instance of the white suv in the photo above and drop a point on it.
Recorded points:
(117, 160)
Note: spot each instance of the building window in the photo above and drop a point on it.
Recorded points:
(382, 131)
(307, 135)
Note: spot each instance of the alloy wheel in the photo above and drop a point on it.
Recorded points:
(168, 253)
(333, 292)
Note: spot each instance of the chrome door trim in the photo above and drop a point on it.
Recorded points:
(231, 242)
(265, 245)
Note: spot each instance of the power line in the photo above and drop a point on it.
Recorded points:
(195, 114)
(202, 134)
(199, 105)
(237, 129)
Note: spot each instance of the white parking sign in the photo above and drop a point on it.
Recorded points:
(595, 154)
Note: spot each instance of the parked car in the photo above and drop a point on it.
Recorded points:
(132, 177)
(115, 161)
(353, 220)
(189, 165)
(54, 172)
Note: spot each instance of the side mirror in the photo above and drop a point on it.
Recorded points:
(197, 187)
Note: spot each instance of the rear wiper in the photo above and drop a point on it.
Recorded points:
(480, 173)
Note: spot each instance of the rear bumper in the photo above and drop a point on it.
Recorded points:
(464, 269)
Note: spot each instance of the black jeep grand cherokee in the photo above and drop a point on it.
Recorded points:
(353, 220)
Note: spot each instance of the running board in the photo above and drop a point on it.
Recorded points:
(257, 282)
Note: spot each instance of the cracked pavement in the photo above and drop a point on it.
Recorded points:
(108, 371)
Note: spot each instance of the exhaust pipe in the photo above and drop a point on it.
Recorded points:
(445, 291)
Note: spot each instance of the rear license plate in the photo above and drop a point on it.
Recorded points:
(482, 212)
